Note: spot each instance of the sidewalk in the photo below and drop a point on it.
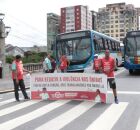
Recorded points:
(6, 85)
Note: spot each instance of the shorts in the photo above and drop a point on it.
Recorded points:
(112, 83)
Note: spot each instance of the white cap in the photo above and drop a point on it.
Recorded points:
(96, 55)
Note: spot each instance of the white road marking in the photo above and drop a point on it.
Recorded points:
(138, 125)
(16, 107)
(107, 120)
(32, 115)
(120, 71)
(125, 92)
(7, 101)
(62, 120)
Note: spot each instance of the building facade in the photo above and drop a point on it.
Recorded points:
(117, 19)
(75, 18)
(53, 28)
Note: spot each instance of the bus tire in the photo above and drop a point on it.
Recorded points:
(130, 71)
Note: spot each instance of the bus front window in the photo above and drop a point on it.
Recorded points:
(138, 45)
(75, 49)
(131, 46)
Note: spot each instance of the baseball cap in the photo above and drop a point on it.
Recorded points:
(96, 55)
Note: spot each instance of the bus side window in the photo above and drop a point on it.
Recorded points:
(95, 44)
(109, 44)
(106, 44)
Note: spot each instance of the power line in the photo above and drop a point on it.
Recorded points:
(24, 39)
(27, 25)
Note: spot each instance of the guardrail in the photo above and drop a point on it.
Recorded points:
(33, 66)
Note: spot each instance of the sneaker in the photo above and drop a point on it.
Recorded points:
(17, 100)
(27, 98)
(116, 101)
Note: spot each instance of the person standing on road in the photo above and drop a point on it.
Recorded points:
(17, 76)
(97, 64)
(108, 66)
(0, 69)
(64, 63)
(48, 65)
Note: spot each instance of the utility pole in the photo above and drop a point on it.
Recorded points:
(3, 34)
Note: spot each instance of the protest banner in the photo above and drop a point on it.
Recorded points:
(74, 86)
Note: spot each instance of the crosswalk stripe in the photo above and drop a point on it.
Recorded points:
(59, 122)
(7, 101)
(32, 115)
(138, 125)
(109, 117)
(125, 92)
(16, 107)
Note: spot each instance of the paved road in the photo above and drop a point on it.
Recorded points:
(75, 115)
(6, 85)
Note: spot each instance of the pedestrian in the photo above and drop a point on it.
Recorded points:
(17, 76)
(53, 64)
(108, 66)
(64, 63)
(97, 64)
(0, 69)
(47, 63)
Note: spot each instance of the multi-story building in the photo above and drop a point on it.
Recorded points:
(75, 18)
(53, 28)
(117, 19)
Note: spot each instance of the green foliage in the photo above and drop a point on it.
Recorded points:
(32, 57)
(9, 59)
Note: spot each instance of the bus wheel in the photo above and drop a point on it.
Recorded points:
(130, 71)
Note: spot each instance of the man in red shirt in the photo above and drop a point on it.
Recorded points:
(108, 65)
(17, 76)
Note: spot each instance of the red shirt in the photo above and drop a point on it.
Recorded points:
(19, 69)
(108, 66)
(97, 63)
(64, 63)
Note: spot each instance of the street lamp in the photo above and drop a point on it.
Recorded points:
(7, 30)
(4, 31)
(1, 16)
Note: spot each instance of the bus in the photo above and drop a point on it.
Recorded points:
(80, 47)
(132, 51)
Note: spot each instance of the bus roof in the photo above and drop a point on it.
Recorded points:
(93, 31)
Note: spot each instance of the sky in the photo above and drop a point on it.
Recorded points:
(28, 18)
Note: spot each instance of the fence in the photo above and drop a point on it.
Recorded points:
(33, 66)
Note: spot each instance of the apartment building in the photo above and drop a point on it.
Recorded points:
(75, 18)
(117, 19)
(53, 28)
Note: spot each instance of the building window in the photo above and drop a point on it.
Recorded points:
(121, 30)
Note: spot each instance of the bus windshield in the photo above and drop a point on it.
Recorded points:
(75, 49)
(133, 46)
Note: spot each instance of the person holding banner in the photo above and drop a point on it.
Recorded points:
(17, 76)
(108, 66)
